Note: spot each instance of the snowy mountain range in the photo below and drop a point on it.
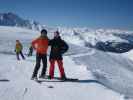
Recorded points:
(113, 40)
(11, 19)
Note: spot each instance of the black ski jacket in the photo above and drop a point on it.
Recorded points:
(58, 48)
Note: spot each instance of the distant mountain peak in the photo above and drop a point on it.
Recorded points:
(12, 19)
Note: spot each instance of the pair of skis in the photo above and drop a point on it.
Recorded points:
(55, 79)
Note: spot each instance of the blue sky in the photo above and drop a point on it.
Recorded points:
(74, 13)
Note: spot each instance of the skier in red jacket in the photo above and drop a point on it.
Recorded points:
(41, 46)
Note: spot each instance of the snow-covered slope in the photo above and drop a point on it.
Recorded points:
(113, 70)
(129, 54)
(20, 87)
(102, 76)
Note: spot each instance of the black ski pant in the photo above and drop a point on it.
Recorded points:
(20, 53)
(39, 58)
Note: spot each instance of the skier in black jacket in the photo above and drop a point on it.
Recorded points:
(58, 48)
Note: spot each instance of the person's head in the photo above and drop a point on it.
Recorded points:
(17, 41)
(56, 34)
(43, 32)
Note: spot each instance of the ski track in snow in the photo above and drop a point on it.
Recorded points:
(114, 71)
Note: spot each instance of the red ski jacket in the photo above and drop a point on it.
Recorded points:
(40, 45)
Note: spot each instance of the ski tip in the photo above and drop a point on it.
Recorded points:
(50, 86)
(4, 80)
